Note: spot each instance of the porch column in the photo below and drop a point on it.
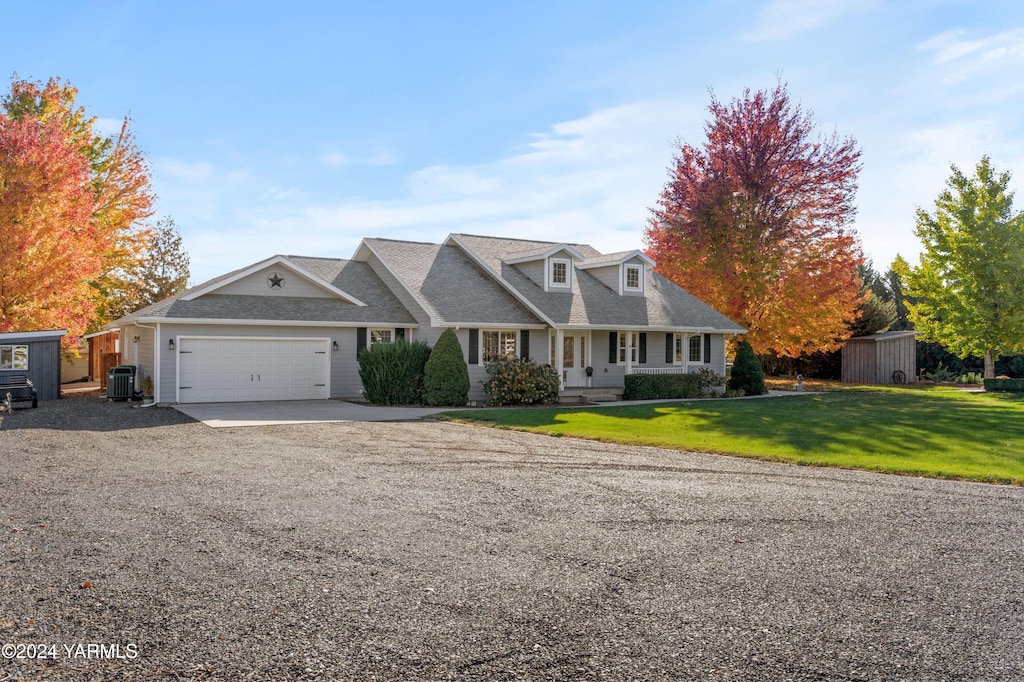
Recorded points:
(629, 352)
(559, 358)
(686, 353)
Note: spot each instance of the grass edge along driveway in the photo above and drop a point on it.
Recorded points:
(936, 433)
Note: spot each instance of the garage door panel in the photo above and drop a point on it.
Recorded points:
(232, 370)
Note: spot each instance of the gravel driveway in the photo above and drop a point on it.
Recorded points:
(137, 544)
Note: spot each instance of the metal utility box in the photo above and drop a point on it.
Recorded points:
(121, 382)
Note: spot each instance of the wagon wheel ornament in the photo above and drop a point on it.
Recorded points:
(899, 377)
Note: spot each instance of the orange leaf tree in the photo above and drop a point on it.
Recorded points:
(50, 246)
(59, 269)
(756, 224)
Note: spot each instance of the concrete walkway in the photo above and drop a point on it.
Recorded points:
(224, 415)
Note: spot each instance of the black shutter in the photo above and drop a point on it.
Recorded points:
(400, 333)
(524, 344)
(474, 346)
(642, 354)
(707, 348)
(670, 348)
(613, 347)
(360, 340)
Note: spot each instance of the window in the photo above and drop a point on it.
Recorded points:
(560, 272)
(635, 343)
(380, 336)
(13, 357)
(696, 348)
(633, 282)
(496, 344)
(678, 357)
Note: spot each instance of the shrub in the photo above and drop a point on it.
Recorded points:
(661, 386)
(392, 373)
(747, 374)
(445, 376)
(710, 380)
(514, 381)
(1011, 385)
(969, 378)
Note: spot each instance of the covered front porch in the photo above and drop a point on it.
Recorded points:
(598, 360)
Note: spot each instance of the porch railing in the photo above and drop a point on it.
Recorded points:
(658, 370)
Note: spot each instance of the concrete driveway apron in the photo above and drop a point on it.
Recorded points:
(223, 415)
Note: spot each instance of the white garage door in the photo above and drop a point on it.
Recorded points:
(217, 370)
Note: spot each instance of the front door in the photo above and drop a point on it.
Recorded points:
(574, 360)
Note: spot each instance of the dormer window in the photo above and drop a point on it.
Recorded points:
(633, 276)
(559, 269)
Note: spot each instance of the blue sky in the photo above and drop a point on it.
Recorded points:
(301, 127)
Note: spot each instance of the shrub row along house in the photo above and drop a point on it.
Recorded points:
(290, 327)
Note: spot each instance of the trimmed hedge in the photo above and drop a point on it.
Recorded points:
(661, 386)
(515, 381)
(1009, 385)
(446, 377)
(392, 373)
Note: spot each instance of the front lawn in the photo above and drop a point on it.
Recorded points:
(939, 433)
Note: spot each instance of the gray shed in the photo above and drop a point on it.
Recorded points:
(35, 354)
(887, 358)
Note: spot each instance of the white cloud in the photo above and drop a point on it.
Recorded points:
(949, 47)
(787, 18)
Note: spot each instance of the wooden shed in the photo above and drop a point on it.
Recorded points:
(888, 358)
(35, 354)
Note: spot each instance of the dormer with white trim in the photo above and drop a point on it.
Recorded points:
(624, 272)
(551, 268)
(275, 276)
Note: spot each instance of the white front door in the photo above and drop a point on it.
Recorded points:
(213, 370)
(574, 360)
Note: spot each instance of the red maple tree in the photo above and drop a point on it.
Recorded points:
(756, 224)
(72, 210)
(50, 244)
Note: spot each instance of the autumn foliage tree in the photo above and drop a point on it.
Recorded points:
(159, 271)
(756, 223)
(73, 205)
(49, 243)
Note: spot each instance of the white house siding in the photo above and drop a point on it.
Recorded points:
(534, 270)
(344, 368)
(608, 276)
(139, 354)
(294, 284)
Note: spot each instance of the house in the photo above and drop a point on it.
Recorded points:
(35, 355)
(290, 327)
(886, 358)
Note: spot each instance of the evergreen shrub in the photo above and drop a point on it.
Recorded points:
(1010, 385)
(392, 373)
(747, 373)
(445, 376)
(514, 381)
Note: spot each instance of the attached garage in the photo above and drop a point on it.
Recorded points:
(242, 369)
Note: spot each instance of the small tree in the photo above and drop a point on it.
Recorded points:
(747, 374)
(445, 376)
(968, 291)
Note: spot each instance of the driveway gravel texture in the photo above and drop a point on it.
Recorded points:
(140, 545)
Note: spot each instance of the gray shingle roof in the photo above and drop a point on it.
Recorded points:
(352, 277)
(591, 303)
(449, 285)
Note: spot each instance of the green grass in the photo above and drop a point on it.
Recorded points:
(938, 433)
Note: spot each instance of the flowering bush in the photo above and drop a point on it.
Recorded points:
(520, 382)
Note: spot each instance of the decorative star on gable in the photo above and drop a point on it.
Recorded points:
(275, 281)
